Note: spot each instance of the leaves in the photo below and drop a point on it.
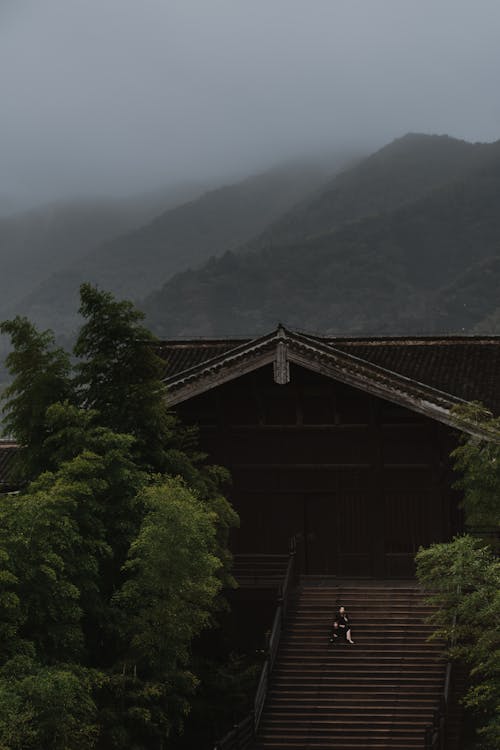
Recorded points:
(41, 377)
(120, 374)
(172, 576)
(113, 556)
(47, 707)
(464, 575)
(478, 461)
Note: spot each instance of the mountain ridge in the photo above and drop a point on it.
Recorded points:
(377, 183)
(134, 264)
(389, 273)
(48, 237)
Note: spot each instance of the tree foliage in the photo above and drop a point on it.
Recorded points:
(477, 460)
(119, 374)
(464, 575)
(170, 588)
(41, 376)
(47, 707)
(167, 598)
(421, 247)
(114, 553)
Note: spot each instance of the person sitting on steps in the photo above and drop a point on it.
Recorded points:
(341, 627)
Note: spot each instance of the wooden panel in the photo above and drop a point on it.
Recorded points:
(295, 446)
(267, 521)
(280, 406)
(400, 479)
(365, 479)
(407, 521)
(201, 410)
(407, 444)
(297, 478)
(390, 413)
(238, 407)
(337, 533)
(317, 405)
(352, 405)
(320, 533)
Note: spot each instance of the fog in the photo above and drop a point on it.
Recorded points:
(115, 96)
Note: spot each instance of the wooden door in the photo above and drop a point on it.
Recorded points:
(337, 534)
(412, 518)
(267, 521)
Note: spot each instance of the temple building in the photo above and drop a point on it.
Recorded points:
(342, 443)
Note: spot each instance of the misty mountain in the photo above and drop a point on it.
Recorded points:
(490, 324)
(134, 264)
(36, 243)
(417, 268)
(472, 301)
(399, 173)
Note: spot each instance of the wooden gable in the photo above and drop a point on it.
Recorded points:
(336, 449)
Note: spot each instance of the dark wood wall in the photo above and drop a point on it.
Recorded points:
(360, 481)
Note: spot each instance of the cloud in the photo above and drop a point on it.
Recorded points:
(107, 95)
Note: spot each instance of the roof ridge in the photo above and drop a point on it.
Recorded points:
(445, 339)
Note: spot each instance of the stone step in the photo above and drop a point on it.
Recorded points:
(379, 693)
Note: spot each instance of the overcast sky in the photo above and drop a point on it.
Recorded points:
(119, 95)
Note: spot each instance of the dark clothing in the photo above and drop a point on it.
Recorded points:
(343, 625)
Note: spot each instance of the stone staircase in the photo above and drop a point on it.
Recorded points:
(259, 570)
(379, 693)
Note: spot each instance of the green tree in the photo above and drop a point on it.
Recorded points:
(67, 535)
(120, 374)
(168, 599)
(112, 478)
(464, 575)
(44, 707)
(41, 377)
(10, 609)
(172, 569)
(113, 556)
(477, 460)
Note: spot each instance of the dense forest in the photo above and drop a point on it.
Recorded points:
(137, 257)
(113, 554)
(407, 242)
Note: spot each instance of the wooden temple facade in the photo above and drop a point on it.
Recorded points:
(342, 443)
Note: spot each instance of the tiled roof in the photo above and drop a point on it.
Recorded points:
(467, 367)
(182, 355)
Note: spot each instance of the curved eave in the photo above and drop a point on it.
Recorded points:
(307, 352)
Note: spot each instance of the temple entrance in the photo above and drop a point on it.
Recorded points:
(336, 534)
(348, 532)
(332, 529)
(359, 481)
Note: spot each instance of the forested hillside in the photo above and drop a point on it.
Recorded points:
(404, 241)
(399, 173)
(426, 266)
(34, 244)
(138, 262)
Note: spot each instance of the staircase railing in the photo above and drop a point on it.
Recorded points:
(435, 733)
(243, 734)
